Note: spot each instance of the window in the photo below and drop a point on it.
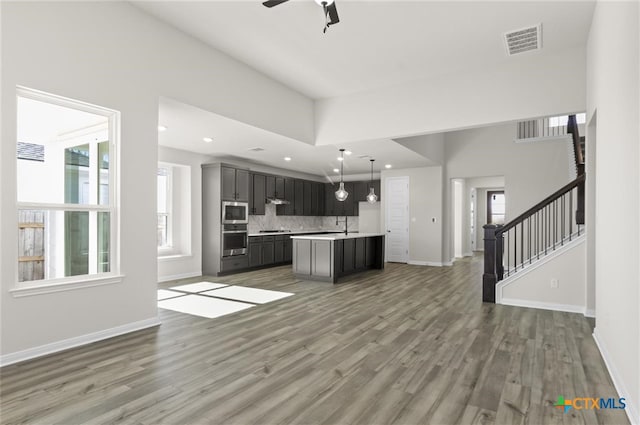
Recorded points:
(174, 210)
(561, 120)
(165, 226)
(67, 210)
(495, 207)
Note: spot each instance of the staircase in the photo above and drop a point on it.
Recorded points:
(538, 232)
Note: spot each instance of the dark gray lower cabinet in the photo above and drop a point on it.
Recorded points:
(288, 249)
(329, 260)
(265, 251)
(278, 249)
(255, 251)
(349, 255)
(360, 253)
(234, 263)
(268, 250)
(370, 252)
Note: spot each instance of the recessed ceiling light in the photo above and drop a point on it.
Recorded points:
(340, 159)
(336, 170)
(207, 139)
(348, 152)
(162, 128)
(287, 158)
(387, 166)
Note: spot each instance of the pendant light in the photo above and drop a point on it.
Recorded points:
(371, 197)
(341, 194)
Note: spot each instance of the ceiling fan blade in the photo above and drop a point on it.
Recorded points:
(333, 14)
(271, 3)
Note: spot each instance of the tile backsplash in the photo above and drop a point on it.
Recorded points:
(271, 221)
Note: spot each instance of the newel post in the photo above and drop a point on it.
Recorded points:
(580, 206)
(492, 253)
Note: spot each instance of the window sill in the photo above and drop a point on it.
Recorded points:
(173, 257)
(48, 288)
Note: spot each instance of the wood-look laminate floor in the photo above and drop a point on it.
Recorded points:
(406, 345)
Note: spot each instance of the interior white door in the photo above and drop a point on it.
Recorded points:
(397, 219)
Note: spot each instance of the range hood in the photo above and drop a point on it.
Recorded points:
(277, 201)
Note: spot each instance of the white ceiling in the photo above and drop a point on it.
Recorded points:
(376, 43)
(188, 125)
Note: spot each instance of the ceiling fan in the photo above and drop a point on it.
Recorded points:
(328, 6)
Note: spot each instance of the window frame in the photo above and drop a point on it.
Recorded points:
(168, 249)
(48, 285)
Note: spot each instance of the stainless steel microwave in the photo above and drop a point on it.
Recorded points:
(235, 212)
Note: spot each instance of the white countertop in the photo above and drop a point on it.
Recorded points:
(337, 236)
(293, 232)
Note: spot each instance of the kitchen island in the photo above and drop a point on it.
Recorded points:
(329, 257)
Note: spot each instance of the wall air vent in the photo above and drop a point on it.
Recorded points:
(523, 40)
(258, 149)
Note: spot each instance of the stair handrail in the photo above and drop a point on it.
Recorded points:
(572, 127)
(540, 205)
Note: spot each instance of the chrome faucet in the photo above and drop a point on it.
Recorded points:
(346, 224)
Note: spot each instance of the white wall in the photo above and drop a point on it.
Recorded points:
(425, 204)
(190, 262)
(111, 54)
(531, 171)
(430, 146)
(613, 74)
(523, 87)
(533, 286)
(369, 217)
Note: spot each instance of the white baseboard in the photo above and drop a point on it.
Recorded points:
(468, 254)
(425, 263)
(77, 341)
(179, 276)
(589, 312)
(618, 383)
(542, 305)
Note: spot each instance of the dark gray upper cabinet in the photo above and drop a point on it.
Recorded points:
(228, 184)
(275, 187)
(329, 198)
(235, 185)
(289, 195)
(242, 185)
(361, 191)
(350, 206)
(307, 200)
(270, 186)
(317, 199)
(257, 194)
(298, 197)
(279, 187)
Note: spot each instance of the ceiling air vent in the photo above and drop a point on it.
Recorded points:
(524, 40)
(258, 149)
